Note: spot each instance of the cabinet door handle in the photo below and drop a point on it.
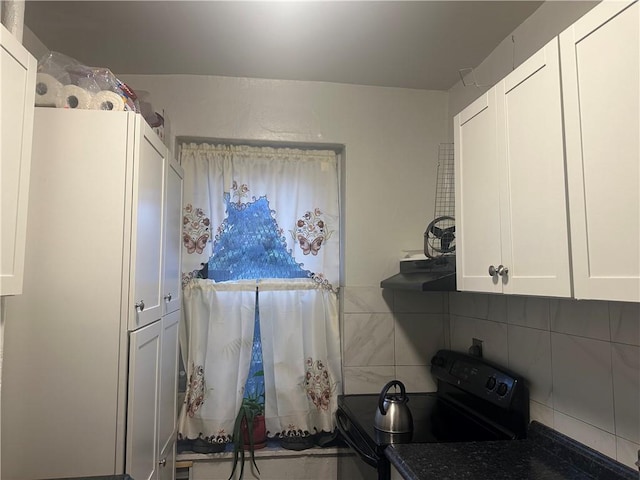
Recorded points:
(163, 462)
(168, 297)
(503, 271)
(140, 305)
(492, 271)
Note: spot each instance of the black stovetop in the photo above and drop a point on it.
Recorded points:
(434, 420)
(476, 401)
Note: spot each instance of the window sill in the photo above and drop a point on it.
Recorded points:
(274, 450)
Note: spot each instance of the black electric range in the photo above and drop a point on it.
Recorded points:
(476, 400)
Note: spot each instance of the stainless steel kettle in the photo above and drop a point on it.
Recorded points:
(393, 414)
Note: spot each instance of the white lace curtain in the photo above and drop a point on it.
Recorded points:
(298, 317)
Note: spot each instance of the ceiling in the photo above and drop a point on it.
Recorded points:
(416, 44)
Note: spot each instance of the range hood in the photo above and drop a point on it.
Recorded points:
(424, 275)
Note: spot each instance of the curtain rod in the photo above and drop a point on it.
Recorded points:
(336, 147)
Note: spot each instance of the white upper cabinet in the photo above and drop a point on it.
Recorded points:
(148, 232)
(17, 92)
(510, 185)
(477, 196)
(172, 285)
(600, 82)
(548, 168)
(533, 214)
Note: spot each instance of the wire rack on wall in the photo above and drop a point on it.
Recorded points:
(440, 236)
(445, 182)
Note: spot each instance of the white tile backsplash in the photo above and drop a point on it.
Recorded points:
(418, 337)
(582, 382)
(585, 318)
(497, 308)
(492, 334)
(530, 312)
(591, 436)
(416, 379)
(594, 362)
(447, 331)
(627, 452)
(419, 302)
(368, 339)
(530, 356)
(464, 304)
(541, 413)
(367, 300)
(481, 306)
(366, 379)
(625, 323)
(581, 358)
(626, 390)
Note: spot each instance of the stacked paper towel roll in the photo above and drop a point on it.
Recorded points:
(72, 96)
(47, 90)
(52, 93)
(107, 100)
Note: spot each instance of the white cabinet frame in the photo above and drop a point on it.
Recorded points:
(533, 214)
(512, 233)
(17, 96)
(600, 81)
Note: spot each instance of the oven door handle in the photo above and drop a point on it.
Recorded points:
(369, 458)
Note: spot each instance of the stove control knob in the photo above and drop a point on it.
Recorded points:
(502, 389)
(491, 383)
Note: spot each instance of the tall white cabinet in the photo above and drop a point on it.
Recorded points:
(90, 361)
(600, 60)
(17, 92)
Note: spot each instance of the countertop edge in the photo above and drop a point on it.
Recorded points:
(399, 464)
(590, 460)
(542, 444)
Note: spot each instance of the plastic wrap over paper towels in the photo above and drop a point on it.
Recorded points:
(107, 100)
(72, 96)
(47, 90)
(91, 81)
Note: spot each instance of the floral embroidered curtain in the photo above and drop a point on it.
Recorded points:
(301, 354)
(271, 215)
(219, 320)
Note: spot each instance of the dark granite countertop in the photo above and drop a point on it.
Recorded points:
(544, 455)
(99, 477)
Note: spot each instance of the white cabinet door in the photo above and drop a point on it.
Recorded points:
(142, 403)
(17, 92)
(167, 470)
(511, 209)
(534, 228)
(167, 408)
(148, 226)
(477, 196)
(173, 239)
(599, 56)
(151, 406)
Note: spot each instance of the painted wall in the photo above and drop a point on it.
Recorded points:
(390, 136)
(582, 359)
(390, 139)
(546, 22)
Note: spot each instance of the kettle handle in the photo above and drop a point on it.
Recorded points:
(383, 393)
